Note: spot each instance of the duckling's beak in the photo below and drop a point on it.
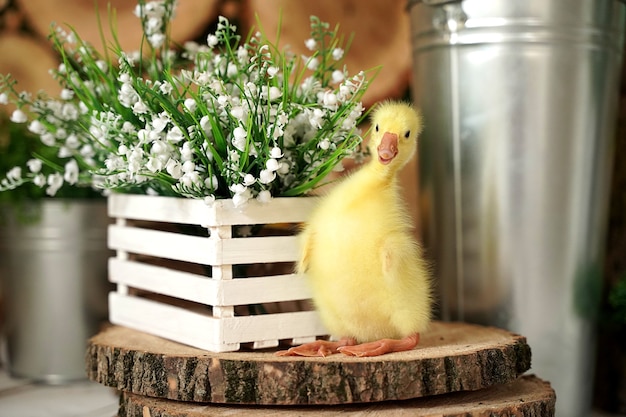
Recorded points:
(388, 148)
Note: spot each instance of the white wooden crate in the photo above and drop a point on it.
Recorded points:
(162, 287)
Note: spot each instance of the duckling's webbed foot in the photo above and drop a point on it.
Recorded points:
(318, 348)
(380, 347)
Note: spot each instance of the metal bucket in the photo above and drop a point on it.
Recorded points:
(519, 100)
(54, 272)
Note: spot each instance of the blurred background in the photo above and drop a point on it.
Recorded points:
(495, 82)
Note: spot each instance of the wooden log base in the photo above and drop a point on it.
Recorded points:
(527, 396)
(450, 357)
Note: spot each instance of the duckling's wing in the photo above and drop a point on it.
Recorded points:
(396, 251)
(306, 246)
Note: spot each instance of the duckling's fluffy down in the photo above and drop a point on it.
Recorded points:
(366, 271)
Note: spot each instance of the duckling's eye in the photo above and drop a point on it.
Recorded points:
(377, 128)
(407, 134)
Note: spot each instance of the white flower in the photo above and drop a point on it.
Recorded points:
(242, 54)
(61, 133)
(272, 164)
(337, 76)
(190, 104)
(87, 151)
(310, 44)
(156, 40)
(67, 94)
(159, 149)
(266, 176)
(153, 24)
(186, 152)
(69, 112)
(239, 200)
(188, 167)
(211, 183)
(275, 93)
(15, 174)
(64, 152)
(55, 181)
(324, 144)
(222, 100)
(205, 124)
(315, 119)
(241, 194)
(232, 70)
(190, 179)
(18, 116)
(283, 168)
(174, 168)
(276, 152)
(238, 112)
(264, 196)
(337, 54)
(4, 98)
(154, 164)
(39, 180)
(143, 135)
(272, 71)
(212, 40)
(48, 139)
(72, 141)
(312, 63)
(166, 88)
(102, 65)
(36, 127)
(239, 138)
(34, 165)
(248, 180)
(330, 99)
(140, 107)
(71, 172)
(160, 123)
(209, 200)
(174, 135)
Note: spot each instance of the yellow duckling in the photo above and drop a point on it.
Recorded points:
(369, 281)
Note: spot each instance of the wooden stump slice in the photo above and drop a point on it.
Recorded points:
(451, 357)
(528, 396)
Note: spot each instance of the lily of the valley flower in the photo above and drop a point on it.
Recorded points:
(231, 121)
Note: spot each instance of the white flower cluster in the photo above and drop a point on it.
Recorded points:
(226, 119)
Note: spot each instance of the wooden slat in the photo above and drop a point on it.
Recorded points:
(204, 332)
(266, 249)
(278, 210)
(200, 289)
(273, 326)
(158, 209)
(167, 321)
(203, 250)
(191, 211)
(163, 244)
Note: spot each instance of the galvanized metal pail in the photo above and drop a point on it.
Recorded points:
(519, 101)
(54, 272)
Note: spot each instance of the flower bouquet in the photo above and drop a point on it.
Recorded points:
(235, 129)
(226, 119)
